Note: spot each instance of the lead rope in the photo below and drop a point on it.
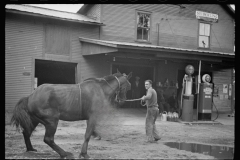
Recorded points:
(131, 100)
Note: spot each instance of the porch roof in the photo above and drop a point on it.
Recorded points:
(94, 46)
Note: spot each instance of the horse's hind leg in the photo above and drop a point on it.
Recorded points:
(27, 135)
(51, 128)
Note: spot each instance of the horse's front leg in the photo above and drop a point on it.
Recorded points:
(90, 127)
(95, 135)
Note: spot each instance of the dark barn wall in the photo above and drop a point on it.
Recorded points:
(168, 70)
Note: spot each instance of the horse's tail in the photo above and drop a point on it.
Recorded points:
(21, 118)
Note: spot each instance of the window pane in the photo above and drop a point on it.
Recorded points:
(146, 20)
(204, 41)
(207, 30)
(143, 20)
(139, 33)
(201, 29)
(140, 20)
(145, 34)
(137, 18)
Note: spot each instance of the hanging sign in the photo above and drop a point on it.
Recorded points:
(26, 73)
(210, 17)
(225, 88)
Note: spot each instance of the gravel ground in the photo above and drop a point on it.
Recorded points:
(123, 137)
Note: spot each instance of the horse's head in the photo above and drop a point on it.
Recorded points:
(125, 85)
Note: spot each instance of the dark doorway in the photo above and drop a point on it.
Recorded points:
(55, 72)
(141, 71)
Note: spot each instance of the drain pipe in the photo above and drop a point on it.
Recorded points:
(158, 34)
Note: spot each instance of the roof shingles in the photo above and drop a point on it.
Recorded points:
(52, 13)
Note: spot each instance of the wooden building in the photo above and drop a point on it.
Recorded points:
(154, 41)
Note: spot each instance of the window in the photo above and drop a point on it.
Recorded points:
(143, 26)
(204, 35)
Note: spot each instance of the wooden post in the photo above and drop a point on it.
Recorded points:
(199, 80)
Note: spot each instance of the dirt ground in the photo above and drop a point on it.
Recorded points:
(123, 138)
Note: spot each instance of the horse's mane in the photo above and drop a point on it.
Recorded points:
(93, 79)
(112, 76)
(107, 78)
(103, 80)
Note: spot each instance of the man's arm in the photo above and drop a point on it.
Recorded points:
(148, 96)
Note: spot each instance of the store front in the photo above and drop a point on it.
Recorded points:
(161, 64)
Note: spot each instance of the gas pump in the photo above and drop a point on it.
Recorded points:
(205, 98)
(187, 96)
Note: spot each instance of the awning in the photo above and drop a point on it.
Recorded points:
(94, 46)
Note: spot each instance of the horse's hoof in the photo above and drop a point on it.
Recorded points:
(67, 155)
(85, 156)
(97, 138)
(64, 157)
(32, 150)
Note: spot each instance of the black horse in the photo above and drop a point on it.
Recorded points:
(50, 103)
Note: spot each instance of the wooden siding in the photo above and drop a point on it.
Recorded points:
(54, 57)
(95, 12)
(120, 23)
(177, 27)
(90, 49)
(219, 78)
(23, 41)
(57, 40)
(77, 31)
(94, 66)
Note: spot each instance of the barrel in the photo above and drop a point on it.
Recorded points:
(187, 111)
